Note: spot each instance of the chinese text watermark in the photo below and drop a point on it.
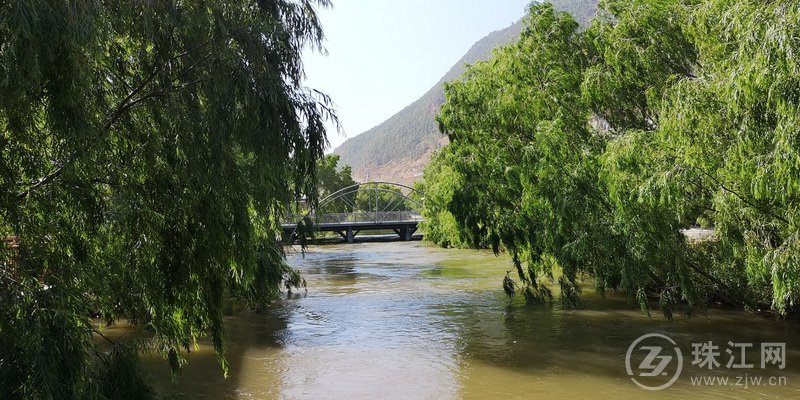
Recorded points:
(654, 361)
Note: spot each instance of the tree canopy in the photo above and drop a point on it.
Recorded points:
(591, 150)
(148, 150)
(330, 177)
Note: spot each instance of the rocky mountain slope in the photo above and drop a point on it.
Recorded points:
(398, 149)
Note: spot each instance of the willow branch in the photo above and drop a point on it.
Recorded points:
(124, 106)
(742, 197)
(713, 280)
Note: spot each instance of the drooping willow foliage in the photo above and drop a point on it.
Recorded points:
(592, 150)
(147, 150)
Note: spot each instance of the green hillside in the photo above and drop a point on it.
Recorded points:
(400, 147)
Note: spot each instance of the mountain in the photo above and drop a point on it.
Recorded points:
(398, 149)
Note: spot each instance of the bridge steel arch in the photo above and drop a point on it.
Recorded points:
(379, 217)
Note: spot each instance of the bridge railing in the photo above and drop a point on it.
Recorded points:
(358, 217)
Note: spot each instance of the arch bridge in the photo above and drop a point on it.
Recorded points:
(371, 206)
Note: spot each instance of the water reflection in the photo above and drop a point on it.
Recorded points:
(402, 320)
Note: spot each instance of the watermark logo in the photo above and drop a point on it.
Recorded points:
(654, 362)
(661, 361)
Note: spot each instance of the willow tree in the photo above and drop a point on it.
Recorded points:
(717, 140)
(595, 148)
(734, 130)
(440, 182)
(147, 149)
(520, 140)
(534, 132)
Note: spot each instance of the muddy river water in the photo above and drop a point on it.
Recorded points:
(405, 320)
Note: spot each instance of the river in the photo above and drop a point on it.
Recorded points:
(404, 320)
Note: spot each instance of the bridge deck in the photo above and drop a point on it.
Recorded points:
(348, 230)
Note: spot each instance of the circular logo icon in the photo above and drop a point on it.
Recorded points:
(659, 356)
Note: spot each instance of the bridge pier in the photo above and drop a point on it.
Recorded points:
(405, 232)
(349, 234)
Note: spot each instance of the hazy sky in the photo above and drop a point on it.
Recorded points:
(384, 54)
